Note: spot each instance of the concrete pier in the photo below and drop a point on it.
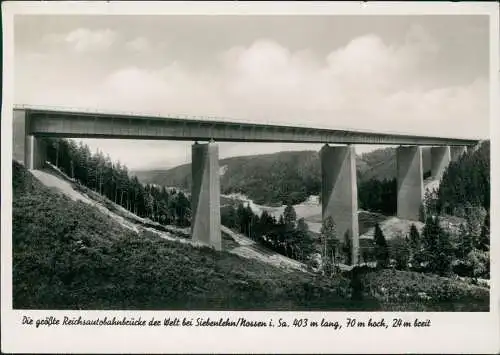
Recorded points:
(339, 194)
(26, 149)
(205, 195)
(410, 182)
(440, 159)
(19, 136)
(457, 151)
(36, 152)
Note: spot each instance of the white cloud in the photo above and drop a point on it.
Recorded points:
(84, 39)
(139, 44)
(366, 84)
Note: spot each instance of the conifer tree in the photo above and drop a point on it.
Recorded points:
(437, 247)
(303, 240)
(465, 242)
(484, 240)
(289, 217)
(400, 251)
(421, 213)
(444, 253)
(381, 249)
(415, 242)
(347, 247)
(329, 244)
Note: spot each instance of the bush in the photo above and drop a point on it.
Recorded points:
(479, 263)
(399, 250)
(462, 268)
(404, 291)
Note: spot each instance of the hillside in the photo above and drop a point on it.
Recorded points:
(380, 164)
(273, 179)
(232, 242)
(258, 176)
(68, 254)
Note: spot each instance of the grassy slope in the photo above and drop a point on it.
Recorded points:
(67, 255)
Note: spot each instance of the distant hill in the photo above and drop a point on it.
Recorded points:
(280, 177)
(380, 164)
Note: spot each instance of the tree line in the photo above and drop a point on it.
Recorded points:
(111, 179)
(466, 182)
(291, 237)
(285, 235)
(465, 186)
(378, 196)
(435, 250)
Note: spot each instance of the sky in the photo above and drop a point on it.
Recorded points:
(412, 74)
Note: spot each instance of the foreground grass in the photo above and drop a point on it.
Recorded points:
(414, 291)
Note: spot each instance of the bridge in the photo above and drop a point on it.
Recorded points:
(338, 163)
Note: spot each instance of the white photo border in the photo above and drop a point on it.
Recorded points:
(451, 332)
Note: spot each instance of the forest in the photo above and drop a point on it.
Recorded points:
(286, 235)
(290, 177)
(466, 182)
(97, 172)
(378, 196)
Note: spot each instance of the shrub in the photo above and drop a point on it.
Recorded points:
(428, 292)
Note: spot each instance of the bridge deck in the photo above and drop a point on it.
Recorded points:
(80, 124)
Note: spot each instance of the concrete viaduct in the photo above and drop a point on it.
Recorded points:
(338, 163)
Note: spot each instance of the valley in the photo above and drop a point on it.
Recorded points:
(98, 247)
(111, 241)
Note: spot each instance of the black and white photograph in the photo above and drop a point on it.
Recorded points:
(260, 162)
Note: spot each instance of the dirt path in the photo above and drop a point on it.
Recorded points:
(67, 189)
(61, 185)
(250, 249)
